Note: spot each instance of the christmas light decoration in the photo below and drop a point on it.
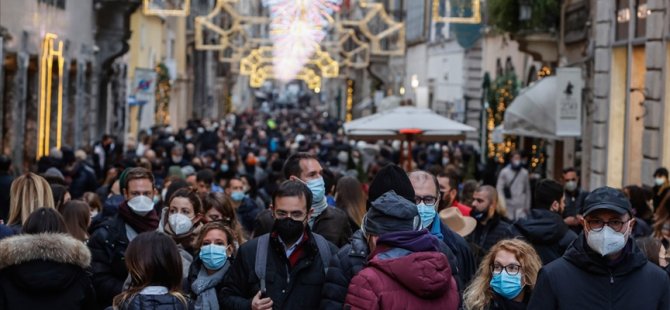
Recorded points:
(49, 55)
(461, 7)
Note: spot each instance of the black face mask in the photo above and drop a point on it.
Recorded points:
(288, 229)
(479, 215)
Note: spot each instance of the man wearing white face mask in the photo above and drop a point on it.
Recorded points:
(603, 268)
(574, 199)
(110, 239)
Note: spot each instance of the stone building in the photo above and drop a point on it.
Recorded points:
(25, 26)
(631, 119)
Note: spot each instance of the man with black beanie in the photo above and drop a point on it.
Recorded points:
(380, 219)
(544, 228)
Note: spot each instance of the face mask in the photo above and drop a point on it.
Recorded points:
(318, 189)
(356, 160)
(445, 161)
(224, 168)
(288, 229)
(176, 159)
(427, 214)
(237, 196)
(606, 241)
(213, 256)
(571, 186)
(516, 164)
(506, 285)
(659, 181)
(180, 223)
(141, 205)
(157, 199)
(262, 159)
(94, 213)
(479, 215)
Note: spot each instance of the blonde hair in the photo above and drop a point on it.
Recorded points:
(478, 295)
(28, 193)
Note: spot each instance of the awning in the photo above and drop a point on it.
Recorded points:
(392, 124)
(549, 108)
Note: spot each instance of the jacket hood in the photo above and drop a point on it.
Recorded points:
(582, 256)
(59, 248)
(414, 241)
(425, 274)
(43, 262)
(542, 227)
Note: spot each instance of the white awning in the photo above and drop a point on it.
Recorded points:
(549, 108)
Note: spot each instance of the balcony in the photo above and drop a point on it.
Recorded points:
(532, 23)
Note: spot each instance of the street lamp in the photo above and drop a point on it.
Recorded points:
(414, 81)
(525, 10)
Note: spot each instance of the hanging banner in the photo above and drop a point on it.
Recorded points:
(569, 102)
(144, 90)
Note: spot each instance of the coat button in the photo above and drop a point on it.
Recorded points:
(283, 291)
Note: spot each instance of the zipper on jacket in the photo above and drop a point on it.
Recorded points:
(611, 278)
(288, 275)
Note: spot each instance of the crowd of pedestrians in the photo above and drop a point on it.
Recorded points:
(282, 211)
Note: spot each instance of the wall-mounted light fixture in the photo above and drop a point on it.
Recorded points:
(49, 54)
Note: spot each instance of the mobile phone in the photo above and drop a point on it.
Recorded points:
(264, 291)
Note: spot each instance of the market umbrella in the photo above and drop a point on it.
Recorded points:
(406, 124)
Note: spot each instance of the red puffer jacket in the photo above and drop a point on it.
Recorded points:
(420, 280)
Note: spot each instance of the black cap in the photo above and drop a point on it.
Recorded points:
(390, 178)
(607, 198)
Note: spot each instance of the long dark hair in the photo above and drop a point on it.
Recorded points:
(351, 199)
(638, 201)
(221, 203)
(77, 216)
(158, 264)
(44, 220)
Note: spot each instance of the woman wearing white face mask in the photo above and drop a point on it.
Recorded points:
(216, 251)
(182, 221)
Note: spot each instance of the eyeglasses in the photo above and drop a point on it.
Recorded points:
(428, 200)
(295, 215)
(598, 224)
(511, 269)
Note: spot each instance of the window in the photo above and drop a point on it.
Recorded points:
(638, 13)
(55, 3)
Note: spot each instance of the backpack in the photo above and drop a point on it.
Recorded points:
(262, 255)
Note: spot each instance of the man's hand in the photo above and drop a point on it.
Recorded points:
(259, 303)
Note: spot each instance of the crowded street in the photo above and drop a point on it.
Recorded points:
(335, 154)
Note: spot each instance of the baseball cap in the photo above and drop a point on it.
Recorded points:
(607, 198)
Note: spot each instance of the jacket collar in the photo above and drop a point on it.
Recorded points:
(582, 256)
(59, 248)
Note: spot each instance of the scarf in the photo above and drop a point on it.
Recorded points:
(139, 223)
(204, 288)
(318, 209)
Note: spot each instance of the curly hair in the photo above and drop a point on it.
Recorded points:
(478, 295)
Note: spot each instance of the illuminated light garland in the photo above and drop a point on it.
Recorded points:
(475, 6)
(297, 29)
(350, 101)
(49, 53)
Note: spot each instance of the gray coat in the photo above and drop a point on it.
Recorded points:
(519, 205)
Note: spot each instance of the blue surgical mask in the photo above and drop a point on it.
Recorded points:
(237, 196)
(427, 214)
(213, 256)
(224, 167)
(506, 285)
(318, 189)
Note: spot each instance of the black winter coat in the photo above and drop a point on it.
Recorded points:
(45, 271)
(583, 279)
(547, 232)
(108, 245)
(485, 236)
(344, 265)
(302, 291)
(155, 302)
(466, 260)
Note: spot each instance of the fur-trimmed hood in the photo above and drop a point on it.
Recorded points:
(59, 248)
